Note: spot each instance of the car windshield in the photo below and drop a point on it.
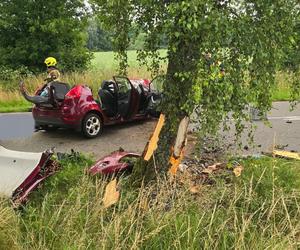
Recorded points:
(123, 85)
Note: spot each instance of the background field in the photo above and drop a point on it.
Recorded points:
(103, 66)
(106, 60)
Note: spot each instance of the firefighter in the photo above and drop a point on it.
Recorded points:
(52, 70)
(53, 74)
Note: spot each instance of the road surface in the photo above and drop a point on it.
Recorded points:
(16, 132)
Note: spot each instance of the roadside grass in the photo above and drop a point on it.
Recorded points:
(14, 106)
(282, 92)
(258, 210)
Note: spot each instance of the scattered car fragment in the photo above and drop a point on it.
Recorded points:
(22, 172)
(116, 162)
(119, 100)
(286, 154)
(111, 195)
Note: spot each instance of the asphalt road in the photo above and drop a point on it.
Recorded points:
(16, 125)
(16, 132)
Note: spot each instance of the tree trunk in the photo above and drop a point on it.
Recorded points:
(176, 94)
(183, 61)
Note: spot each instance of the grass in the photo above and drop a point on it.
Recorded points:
(283, 91)
(106, 60)
(258, 210)
(103, 66)
(14, 106)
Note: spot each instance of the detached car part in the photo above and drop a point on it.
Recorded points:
(22, 172)
(116, 162)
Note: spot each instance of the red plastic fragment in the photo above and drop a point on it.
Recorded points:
(112, 163)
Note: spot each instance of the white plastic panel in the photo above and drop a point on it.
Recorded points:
(15, 167)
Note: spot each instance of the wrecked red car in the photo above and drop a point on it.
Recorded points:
(118, 100)
(22, 172)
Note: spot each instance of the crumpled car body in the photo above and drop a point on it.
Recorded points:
(114, 163)
(22, 172)
(118, 100)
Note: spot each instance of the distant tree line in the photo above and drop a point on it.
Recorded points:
(101, 40)
(98, 38)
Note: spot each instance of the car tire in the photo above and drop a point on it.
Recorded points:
(92, 125)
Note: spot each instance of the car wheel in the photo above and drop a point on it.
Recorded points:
(92, 125)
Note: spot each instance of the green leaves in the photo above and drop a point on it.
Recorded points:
(32, 30)
(222, 55)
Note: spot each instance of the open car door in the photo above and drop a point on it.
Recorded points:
(128, 97)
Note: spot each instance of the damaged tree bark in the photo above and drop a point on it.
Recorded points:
(180, 144)
(146, 167)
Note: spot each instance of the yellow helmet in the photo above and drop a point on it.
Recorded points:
(50, 61)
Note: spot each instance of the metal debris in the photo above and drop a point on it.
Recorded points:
(22, 172)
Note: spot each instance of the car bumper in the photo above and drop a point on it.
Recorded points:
(57, 118)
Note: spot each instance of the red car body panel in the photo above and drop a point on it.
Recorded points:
(112, 164)
(43, 170)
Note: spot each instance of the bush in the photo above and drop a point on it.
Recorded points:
(30, 31)
(8, 74)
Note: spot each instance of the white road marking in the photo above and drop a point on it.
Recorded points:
(285, 118)
(17, 113)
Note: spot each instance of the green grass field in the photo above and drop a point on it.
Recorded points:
(106, 61)
(258, 210)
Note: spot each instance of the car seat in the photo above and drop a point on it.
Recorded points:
(60, 89)
(108, 98)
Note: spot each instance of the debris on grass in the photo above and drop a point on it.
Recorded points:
(286, 154)
(212, 168)
(111, 195)
(238, 170)
(72, 156)
(23, 172)
(195, 189)
(114, 163)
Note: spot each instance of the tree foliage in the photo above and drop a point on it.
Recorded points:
(34, 29)
(292, 53)
(98, 38)
(247, 37)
